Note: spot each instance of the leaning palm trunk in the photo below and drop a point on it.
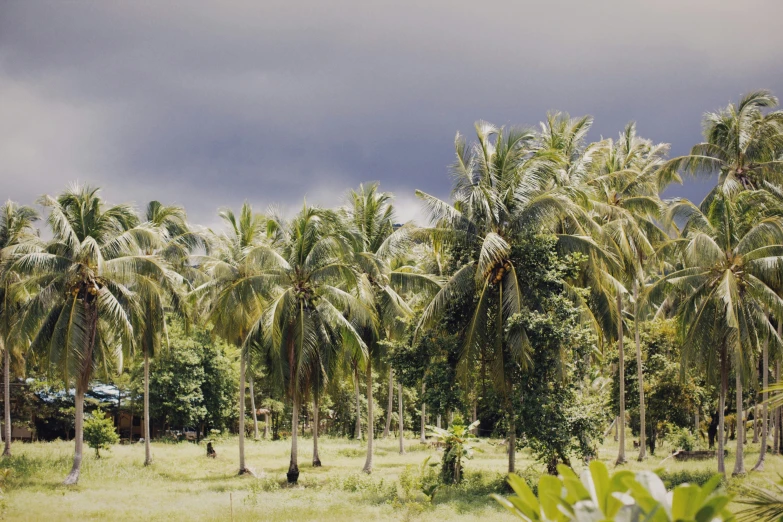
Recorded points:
(389, 405)
(370, 421)
(147, 448)
(776, 411)
(242, 370)
(357, 434)
(764, 413)
(423, 412)
(253, 407)
(639, 373)
(293, 467)
(316, 457)
(7, 399)
(400, 419)
(621, 380)
(91, 313)
(739, 463)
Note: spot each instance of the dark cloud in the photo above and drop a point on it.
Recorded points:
(213, 103)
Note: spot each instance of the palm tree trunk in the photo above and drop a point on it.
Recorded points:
(423, 438)
(739, 463)
(512, 443)
(147, 448)
(242, 370)
(400, 418)
(316, 457)
(437, 422)
(390, 404)
(370, 421)
(776, 417)
(7, 398)
(357, 434)
(253, 406)
(73, 476)
(293, 467)
(724, 387)
(639, 373)
(621, 380)
(764, 413)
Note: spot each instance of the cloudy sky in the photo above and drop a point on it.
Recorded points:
(209, 104)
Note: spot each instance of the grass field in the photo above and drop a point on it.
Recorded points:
(183, 484)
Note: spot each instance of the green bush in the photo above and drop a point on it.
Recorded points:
(675, 478)
(99, 432)
(681, 439)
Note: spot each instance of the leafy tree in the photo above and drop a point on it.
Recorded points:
(99, 432)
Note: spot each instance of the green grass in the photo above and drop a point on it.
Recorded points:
(183, 484)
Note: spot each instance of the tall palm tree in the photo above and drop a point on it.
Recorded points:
(81, 313)
(742, 145)
(154, 296)
(732, 259)
(500, 190)
(623, 186)
(370, 215)
(16, 229)
(234, 293)
(312, 311)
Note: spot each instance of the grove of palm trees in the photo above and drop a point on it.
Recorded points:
(559, 309)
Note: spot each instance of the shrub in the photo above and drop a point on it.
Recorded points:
(99, 432)
(675, 478)
(682, 439)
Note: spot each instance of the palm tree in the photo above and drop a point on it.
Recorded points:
(742, 145)
(311, 311)
(500, 190)
(234, 294)
(732, 259)
(176, 242)
(16, 229)
(81, 313)
(370, 215)
(623, 187)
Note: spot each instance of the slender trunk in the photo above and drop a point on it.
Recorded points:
(357, 434)
(639, 373)
(147, 448)
(724, 386)
(132, 403)
(739, 463)
(621, 380)
(242, 384)
(696, 424)
(316, 457)
(7, 398)
(423, 413)
(266, 425)
(73, 476)
(756, 425)
(400, 418)
(370, 420)
(437, 422)
(764, 412)
(616, 431)
(512, 443)
(293, 467)
(390, 404)
(253, 406)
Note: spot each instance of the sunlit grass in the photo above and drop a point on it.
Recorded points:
(184, 484)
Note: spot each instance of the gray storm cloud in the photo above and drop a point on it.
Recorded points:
(212, 103)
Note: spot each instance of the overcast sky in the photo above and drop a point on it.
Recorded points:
(209, 104)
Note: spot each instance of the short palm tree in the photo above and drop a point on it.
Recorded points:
(82, 311)
(732, 259)
(312, 310)
(16, 229)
